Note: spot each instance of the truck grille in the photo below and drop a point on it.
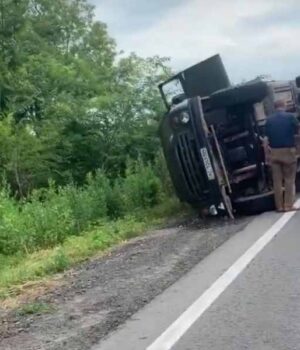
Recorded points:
(190, 164)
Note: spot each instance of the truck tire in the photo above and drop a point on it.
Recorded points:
(241, 94)
(256, 204)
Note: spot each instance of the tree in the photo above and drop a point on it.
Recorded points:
(68, 103)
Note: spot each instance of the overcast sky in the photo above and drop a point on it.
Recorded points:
(254, 37)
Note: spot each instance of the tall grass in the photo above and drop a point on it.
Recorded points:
(49, 216)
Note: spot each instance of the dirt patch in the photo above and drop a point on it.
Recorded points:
(101, 294)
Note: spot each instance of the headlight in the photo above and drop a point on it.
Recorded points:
(180, 119)
(184, 117)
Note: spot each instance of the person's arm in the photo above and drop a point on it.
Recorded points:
(266, 141)
(267, 150)
(297, 134)
(296, 125)
(266, 144)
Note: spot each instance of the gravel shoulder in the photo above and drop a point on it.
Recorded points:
(101, 294)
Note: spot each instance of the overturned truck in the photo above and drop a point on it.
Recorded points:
(212, 137)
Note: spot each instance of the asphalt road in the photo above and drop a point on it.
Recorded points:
(252, 306)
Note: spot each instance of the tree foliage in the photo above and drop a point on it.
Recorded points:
(69, 103)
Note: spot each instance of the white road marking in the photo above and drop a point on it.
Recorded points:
(177, 329)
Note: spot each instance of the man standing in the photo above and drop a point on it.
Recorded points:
(281, 129)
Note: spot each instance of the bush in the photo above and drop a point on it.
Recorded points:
(161, 171)
(11, 236)
(115, 201)
(141, 187)
(51, 215)
(97, 189)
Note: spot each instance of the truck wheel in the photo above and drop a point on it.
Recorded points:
(247, 93)
(256, 204)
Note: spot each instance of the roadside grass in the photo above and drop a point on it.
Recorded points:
(19, 269)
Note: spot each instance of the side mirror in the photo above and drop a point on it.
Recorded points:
(298, 82)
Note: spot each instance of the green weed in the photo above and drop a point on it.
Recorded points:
(34, 309)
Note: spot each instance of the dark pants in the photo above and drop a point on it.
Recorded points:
(284, 168)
